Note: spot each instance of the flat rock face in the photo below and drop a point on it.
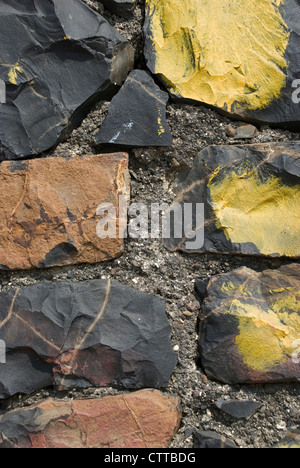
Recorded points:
(71, 334)
(242, 59)
(122, 8)
(251, 197)
(250, 326)
(137, 115)
(238, 409)
(145, 419)
(56, 58)
(212, 440)
(48, 210)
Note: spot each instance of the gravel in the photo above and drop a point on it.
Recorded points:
(146, 265)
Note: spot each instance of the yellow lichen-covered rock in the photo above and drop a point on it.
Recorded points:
(251, 196)
(238, 56)
(251, 326)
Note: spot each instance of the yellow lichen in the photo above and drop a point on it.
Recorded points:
(256, 209)
(13, 73)
(267, 335)
(226, 53)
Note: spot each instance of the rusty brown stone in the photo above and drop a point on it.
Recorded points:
(145, 419)
(48, 210)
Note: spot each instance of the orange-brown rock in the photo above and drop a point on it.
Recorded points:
(145, 419)
(48, 210)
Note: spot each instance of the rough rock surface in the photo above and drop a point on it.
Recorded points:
(243, 60)
(137, 115)
(251, 197)
(48, 210)
(145, 419)
(238, 409)
(211, 440)
(56, 58)
(122, 8)
(291, 441)
(250, 326)
(72, 334)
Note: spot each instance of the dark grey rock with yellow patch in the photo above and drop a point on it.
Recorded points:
(56, 58)
(251, 196)
(137, 115)
(81, 334)
(249, 327)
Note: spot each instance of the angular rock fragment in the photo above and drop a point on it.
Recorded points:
(212, 440)
(243, 60)
(238, 409)
(124, 8)
(72, 334)
(291, 441)
(48, 210)
(251, 197)
(137, 115)
(250, 326)
(246, 132)
(144, 419)
(57, 58)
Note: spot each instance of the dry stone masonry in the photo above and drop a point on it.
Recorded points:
(107, 341)
(73, 334)
(57, 58)
(144, 419)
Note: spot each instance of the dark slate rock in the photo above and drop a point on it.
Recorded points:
(185, 55)
(137, 115)
(250, 325)
(72, 334)
(124, 8)
(212, 440)
(143, 419)
(56, 58)
(251, 201)
(238, 409)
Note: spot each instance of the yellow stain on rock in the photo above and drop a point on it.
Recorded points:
(13, 73)
(225, 53)
(266, 336)
(161, 129)
(262, 211)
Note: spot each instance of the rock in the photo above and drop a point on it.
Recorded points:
(201, 288)
(238, 409)
(81, 334)
(251, 197)
(137, 115)
(230, 131)
(212, 440)
(124, 8)
(250, 326)
(144, 419)
(62, 58)
(246, 132)
(291, 441)
(243, 60)
(49, 207)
